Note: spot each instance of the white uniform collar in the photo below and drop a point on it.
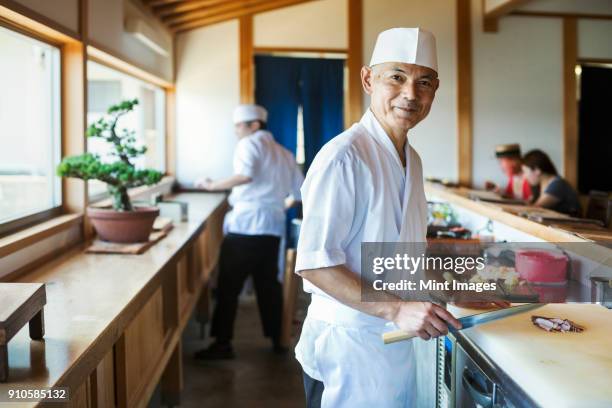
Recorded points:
(375, 129)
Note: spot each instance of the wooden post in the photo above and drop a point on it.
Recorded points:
(570, 105)
(247, 68)
(464, 93)
(354, 61)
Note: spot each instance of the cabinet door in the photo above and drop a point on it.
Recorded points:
(139, 352)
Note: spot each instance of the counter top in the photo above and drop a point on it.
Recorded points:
(90, 300)
(495, 211)
(554, 369)
(506, 214)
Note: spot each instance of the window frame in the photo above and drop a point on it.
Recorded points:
(95, 55)
(29, 220)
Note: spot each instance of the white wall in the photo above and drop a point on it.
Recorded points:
(63, 12)
(436, 137)
(106, 27)
(207, 90)
(518, 94)
(316, 24)
(595, 38)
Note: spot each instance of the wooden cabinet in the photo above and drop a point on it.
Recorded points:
(139, 351)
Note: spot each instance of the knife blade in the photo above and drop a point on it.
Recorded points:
(466, 321)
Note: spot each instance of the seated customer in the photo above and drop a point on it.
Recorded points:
(554, 192)
(509, 159)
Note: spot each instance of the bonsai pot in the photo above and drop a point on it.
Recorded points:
(123, 226)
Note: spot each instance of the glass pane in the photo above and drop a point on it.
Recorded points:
(30, 126)
(107, 87)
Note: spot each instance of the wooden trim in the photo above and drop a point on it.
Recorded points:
(98, 53)
(156, 3)
(354, 62)
(464, 93)
(184, 6)
(74, 123)
(595, 60)
(247, 64)
(171, 132)
(570, 104)
(491, 17)
(273, 50)
(34, 234)
(561, 15)
(20, 223)
(16, 13)
(246, 10)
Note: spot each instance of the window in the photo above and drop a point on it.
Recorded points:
(30, 128)
(300, 154)
(106, 87)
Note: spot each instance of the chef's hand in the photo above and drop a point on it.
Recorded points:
(206, 183)
(426, 319)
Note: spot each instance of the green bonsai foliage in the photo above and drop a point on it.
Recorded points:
(121, 174)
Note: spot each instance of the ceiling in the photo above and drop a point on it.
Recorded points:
(184, 15)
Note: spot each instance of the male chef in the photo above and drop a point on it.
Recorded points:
(366, 185)
(265, 174)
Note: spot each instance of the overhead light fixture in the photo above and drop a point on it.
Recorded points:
(145, 34)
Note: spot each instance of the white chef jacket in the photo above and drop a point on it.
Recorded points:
(258, 207)
(357, 191)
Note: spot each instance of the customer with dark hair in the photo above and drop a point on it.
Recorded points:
(554, 192)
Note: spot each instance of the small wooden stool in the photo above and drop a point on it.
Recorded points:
(20, 303)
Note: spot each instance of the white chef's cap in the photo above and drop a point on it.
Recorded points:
(248, 113)
(407, 45)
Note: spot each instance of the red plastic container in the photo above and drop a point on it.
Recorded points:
(539, 266)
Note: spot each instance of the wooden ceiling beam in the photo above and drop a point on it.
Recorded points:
(268, 6)
(184, 6)
(156, 3)
(206, 12)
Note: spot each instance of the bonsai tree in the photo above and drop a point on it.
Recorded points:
(121, 174)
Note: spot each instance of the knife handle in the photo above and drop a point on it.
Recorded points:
(397, 335)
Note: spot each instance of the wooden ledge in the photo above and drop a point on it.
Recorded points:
(38, 232)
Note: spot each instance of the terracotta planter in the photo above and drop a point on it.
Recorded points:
(123, 226)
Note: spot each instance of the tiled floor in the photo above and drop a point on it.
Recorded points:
(256, 378)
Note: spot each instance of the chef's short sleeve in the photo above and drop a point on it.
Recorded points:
(328, 199)
(245, 158)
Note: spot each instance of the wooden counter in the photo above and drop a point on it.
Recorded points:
(113, 322)
(499, 213)
(553, 369)
(460, 196)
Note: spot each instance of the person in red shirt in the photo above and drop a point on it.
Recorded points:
(509, 159)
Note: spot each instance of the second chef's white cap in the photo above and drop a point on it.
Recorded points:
(407, 45)
(250, 112)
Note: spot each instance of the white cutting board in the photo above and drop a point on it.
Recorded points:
(555, 369)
